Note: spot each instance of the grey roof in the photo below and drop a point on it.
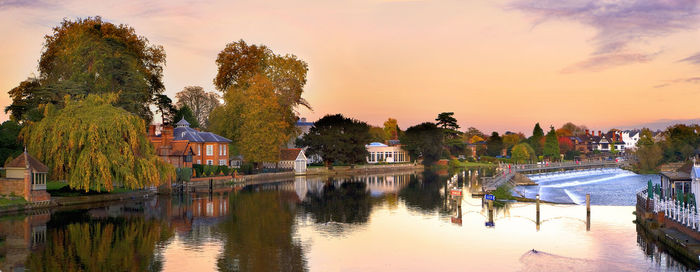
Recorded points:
(192, 135)
(182, 122)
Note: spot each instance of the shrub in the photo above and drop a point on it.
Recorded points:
(208, 170)
(198, 170)
(183, 174)
(247, 168)
(224, 170)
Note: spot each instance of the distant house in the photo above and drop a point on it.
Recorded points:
(630, 137)
(580, 145)
(678, 181)
(26, 177)
(605, 142)
(473, 147)
(379, 152)
(184, 146)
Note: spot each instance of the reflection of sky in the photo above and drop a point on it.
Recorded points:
(607, 187)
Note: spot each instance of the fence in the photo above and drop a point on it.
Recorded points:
(683, 213)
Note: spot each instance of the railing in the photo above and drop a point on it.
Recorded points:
(684, 214)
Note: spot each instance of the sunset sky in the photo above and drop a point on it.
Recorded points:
(499, 65)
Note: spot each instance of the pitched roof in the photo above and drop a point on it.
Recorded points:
(192, 135)
(181, 148)
(27, 161)
(182, 122)
(376, 144)
(289, 154)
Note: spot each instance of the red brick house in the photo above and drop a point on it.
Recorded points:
(183, 146)
(26, 177)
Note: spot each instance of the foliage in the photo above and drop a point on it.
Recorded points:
(565, 144)
(337, 139)
(503, 192)
(10, 147)
(224, 170)
(348, 203)
(681, 142)
(536, 138)
(184, 112)
(424, 140)
(200, 102)
(446, 120)
(494, 145)
(511, 139)
(551, 146)
(264, 123)
(166, 109)
(471, 132)
(391, 129)
(241, 67)
(377, 134)
(648, 153)
(198, 170)
(523, 153)
(247, 168)
(476, 139)
(184, 174)
(92, 56)
(94, 145)
(572, 129)
(456, 146)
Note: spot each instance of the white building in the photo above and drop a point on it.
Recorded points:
(379, 152)
(630, 137)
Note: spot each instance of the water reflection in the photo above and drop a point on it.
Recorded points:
(403, 221)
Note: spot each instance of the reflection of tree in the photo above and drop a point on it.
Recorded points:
(124, 244)
(424, 196)
(258, 235)
(349, 203)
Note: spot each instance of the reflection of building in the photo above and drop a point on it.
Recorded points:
(197, 209)
(379, 152)
(18, 237)
(26, 177)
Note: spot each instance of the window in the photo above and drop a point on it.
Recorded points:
(225, 149)
(210, 150)
(199, 161)
(210, 162)
(188, 158)
(199, 150)
(221, 150)
(388, 154)
(372, 156)
(222, 162)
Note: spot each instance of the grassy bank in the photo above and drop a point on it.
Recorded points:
(468, 164)
(11, 200)
(58, 188)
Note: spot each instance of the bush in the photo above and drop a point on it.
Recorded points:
(183, 174)
(247, 168)
(208, 171)
(198, 170)
(224, 170)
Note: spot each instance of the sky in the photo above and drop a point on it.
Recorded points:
(498, 65)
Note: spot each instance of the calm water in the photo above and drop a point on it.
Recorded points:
(398, 222)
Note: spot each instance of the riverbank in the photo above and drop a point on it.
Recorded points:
(76, 200)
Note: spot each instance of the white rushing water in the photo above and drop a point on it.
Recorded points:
(606, 186)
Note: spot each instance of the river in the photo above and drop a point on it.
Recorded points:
(393, 222)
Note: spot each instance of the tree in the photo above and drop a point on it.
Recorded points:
(551, 145)
(511, 139)
(681, 142)
(472, 131)
(165, 108)
(94, 145)
(201, 102)
(91, 56)
(424, 140)
(10, 146)
(648, 153)
(446, 120)
(573, 129)
(534, 140)
(378, 134)
(264, 128)
(476, 139)
(494, 145)
(337, 139)
(238, 64)
(523, 153)
(565, 144)
(391, 129)
(185, 112)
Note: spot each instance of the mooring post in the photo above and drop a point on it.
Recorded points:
(537, 214)
(588, 212)
(211, 185)
(491, 211)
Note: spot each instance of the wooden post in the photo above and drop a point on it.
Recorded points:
(491, 211)
(537, 215)
(588, 212)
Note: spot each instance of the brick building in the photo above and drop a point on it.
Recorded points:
(183, 146)
(25, 177)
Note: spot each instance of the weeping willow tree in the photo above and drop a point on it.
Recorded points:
(95, 145)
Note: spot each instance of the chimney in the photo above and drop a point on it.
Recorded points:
(151, 130)
(586, 132)
(166, 136)
(600, 134)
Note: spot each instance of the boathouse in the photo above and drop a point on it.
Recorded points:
(26, 176)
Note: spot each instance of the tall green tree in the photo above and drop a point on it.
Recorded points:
(10, 146)
(93, 56)
(536, 138)
(424, 140)
(681, 142)
(166, 109)
(95, 146)
(446, 120)
(494, 145)
(551, 145)
(391, 129)
(337, 139)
